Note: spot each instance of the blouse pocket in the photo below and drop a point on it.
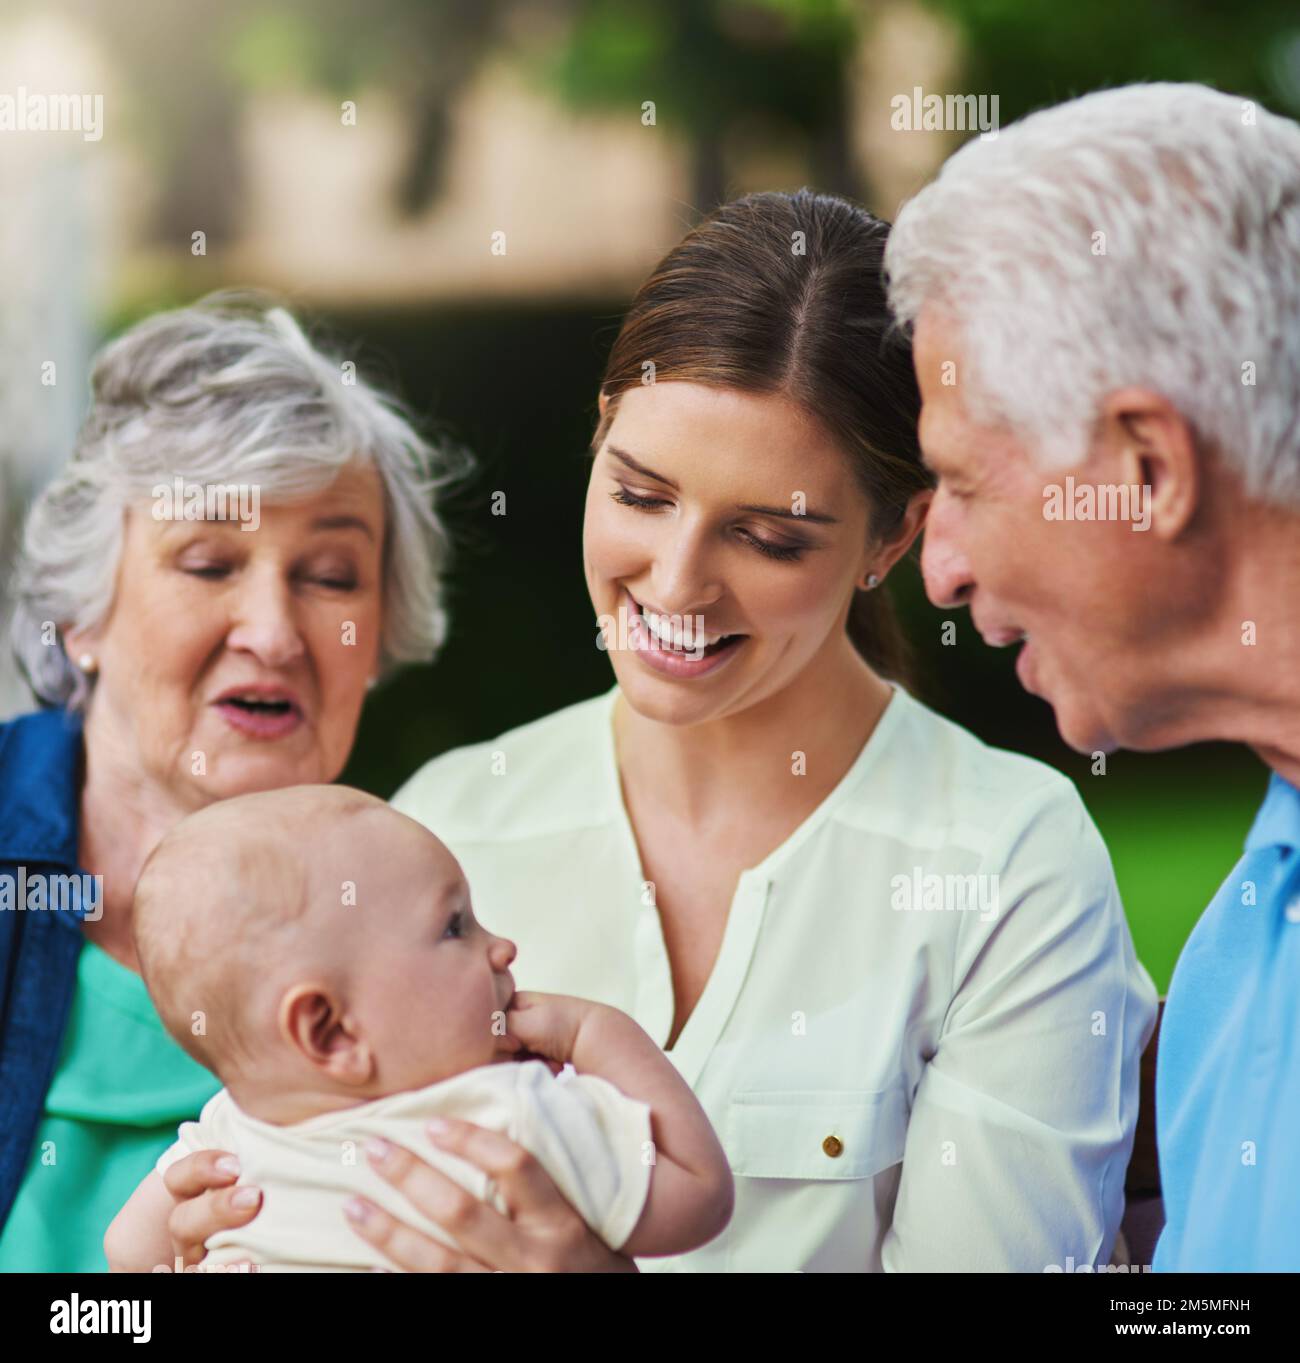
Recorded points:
(816, 1133)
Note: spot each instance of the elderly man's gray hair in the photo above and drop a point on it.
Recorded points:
(1148, 235)
(225, 392)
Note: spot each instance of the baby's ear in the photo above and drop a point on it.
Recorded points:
(314, 1023)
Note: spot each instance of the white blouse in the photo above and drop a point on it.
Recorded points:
(920, 1042)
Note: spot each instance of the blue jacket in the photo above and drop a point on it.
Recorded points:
(40, 793)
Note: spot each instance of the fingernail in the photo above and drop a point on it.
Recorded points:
(228, 1164)
(245, 1197)
(437, 1127)
(378, 1149)
(356, 1210)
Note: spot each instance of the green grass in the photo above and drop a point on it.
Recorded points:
(1174, 835)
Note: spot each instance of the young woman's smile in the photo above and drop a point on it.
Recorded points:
(674, 645)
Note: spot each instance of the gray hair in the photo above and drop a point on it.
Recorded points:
(1147, 235)
(229, 390)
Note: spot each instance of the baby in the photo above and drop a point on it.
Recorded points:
(317, 951)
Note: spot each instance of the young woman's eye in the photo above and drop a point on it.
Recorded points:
(626, 498)
(786, 553)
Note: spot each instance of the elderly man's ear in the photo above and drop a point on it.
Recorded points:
(1154, 447)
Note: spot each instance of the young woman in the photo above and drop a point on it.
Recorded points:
(891, 961)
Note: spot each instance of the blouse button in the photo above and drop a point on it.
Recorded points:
(833, 1146)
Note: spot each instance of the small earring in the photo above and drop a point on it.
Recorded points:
(87, 663)
(872, 581)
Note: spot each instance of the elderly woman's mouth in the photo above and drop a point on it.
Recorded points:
(259, 714)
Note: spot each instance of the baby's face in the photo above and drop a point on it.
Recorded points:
(433, 984)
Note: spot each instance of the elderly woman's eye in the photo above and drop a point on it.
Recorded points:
(338, 584)
(210, 572)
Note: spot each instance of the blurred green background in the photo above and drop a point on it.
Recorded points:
(487, 113)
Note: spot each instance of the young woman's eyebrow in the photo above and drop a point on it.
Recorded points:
(816, 517)
(627, 459)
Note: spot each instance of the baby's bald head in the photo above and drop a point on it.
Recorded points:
(237, 900)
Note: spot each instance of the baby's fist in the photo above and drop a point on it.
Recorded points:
(547, 1024)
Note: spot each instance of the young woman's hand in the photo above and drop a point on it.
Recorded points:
(541, 1234)
(207, 1201)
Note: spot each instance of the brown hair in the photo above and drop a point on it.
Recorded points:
(784, 293)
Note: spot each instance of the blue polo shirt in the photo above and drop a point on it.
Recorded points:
(1228, 1072)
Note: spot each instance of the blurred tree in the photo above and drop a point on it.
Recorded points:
(710, 66)
(707, 64)
(1031, 54)
(422, 54)
(187, 68)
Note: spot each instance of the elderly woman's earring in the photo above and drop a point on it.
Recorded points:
(87, 663)
(872, 581)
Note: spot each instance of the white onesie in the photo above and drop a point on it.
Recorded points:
(592, 1140)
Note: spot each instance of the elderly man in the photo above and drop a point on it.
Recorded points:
(1105, 304)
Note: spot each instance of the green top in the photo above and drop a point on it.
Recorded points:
(121, 1088)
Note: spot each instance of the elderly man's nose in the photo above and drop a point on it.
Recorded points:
(948, 579)
(265, 624)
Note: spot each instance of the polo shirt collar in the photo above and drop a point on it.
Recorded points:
(1278, 822)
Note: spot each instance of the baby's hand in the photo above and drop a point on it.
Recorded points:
(547, 1024)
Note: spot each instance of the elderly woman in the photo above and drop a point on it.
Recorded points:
(181, 658)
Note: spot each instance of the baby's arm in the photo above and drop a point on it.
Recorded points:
(691, 1190)
(139, 1238)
